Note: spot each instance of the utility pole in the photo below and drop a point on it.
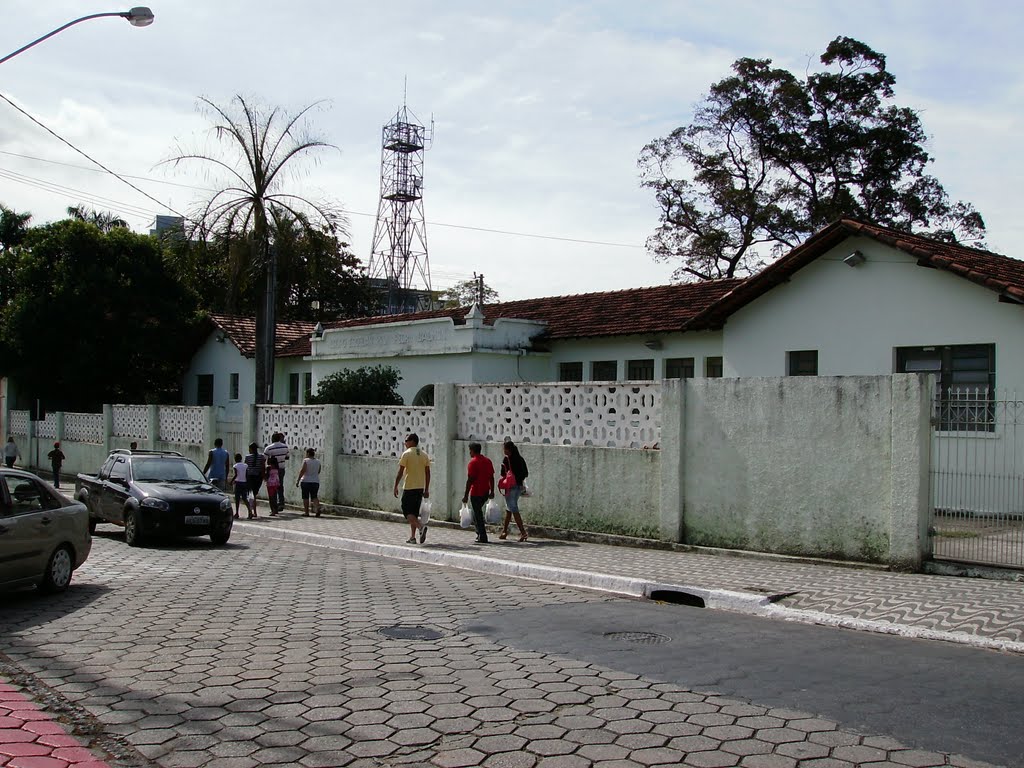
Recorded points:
(479, 287)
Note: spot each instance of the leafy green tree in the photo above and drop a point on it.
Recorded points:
(362, 386)
(316, 267)
(770, 158)
(260, 147)
(313, 265)
(95, 318)
(105, 220)
(13, 231)
(467, 292)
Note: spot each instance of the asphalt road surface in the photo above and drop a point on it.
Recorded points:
(267, 653)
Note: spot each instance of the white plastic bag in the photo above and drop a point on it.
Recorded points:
(425, 507)
(526, 490)
(466, 516)
(492, 513)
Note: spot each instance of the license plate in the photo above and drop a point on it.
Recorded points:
(197, 519)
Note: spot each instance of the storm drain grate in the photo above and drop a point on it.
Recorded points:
(401, 632)
(640, 638)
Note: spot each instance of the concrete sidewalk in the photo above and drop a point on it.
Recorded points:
(970, 611)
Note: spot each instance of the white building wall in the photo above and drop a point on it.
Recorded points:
(698, 345)
(856, 316)
(221, 358)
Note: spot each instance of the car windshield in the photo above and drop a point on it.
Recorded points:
(166, 470)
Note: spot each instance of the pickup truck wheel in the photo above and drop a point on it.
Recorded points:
(58, 570)
(220, 538)
(132, 530)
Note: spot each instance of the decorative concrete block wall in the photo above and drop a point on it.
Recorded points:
(811, 466)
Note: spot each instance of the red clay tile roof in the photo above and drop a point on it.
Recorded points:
(669, 308)
(661, 309)
(242, 332)
(991, 270)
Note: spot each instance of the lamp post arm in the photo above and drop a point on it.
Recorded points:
(61, 29)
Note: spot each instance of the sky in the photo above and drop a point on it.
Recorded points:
(540, 109)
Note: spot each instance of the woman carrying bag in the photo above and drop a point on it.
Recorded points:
(513, 474)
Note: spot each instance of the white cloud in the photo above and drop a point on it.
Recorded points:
(541, 108)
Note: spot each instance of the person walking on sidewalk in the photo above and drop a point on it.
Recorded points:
(241, 485)
(278, 450)
(254, 465)
(217, 465)
(56, 457)
(513, 473)
(479, 488)
(273, 485)
(309, 482)
(415, 466)
(11, 452)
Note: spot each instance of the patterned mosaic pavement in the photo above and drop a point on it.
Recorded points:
(982, 612)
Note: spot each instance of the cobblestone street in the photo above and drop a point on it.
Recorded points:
(270, 653)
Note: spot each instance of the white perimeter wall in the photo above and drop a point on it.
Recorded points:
(832, 467)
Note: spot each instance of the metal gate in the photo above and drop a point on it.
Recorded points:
(977, 478)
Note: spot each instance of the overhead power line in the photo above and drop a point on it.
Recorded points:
(89, 158)
(487, 230)
(82, 196)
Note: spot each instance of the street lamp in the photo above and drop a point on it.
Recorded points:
(137, 17)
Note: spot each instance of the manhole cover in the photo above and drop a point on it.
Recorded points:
(641, 638)
(411, 633)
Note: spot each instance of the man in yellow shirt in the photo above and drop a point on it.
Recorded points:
(415, 465)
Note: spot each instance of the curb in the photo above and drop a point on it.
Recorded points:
(625, 586)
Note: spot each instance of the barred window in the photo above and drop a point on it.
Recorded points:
(965, 383)
(570, 371)
(640, 370)
(803, 362)
(604, 370)
(679, 368)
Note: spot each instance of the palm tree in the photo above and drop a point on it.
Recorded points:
(105, 220)
(261, 145)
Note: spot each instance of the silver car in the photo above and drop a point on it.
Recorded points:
(44, 536)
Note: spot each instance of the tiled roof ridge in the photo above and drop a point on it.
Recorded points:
(942, 255)
(912, 241)
(929, 252)
(296, 325)
(494, 310)
(617, 291)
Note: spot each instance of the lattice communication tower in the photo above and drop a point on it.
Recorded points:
(398, 261)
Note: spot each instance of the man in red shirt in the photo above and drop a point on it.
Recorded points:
(479, 488)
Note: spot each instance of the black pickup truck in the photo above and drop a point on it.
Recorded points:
(154, 494)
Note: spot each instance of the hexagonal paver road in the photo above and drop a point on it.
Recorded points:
(266, 653)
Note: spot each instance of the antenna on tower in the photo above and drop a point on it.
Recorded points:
(399, 266)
